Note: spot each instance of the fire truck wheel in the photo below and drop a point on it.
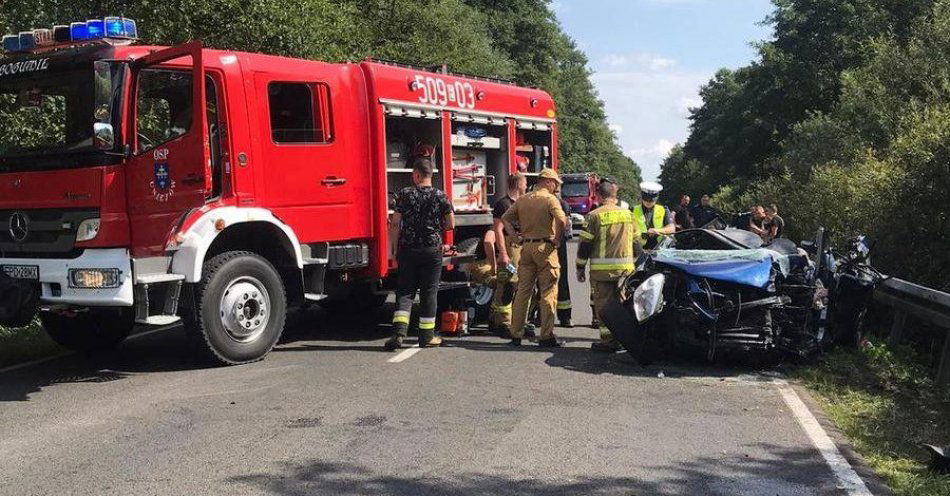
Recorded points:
(93, 330)
(242, 308)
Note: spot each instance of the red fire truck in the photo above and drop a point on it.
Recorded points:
(148, 185)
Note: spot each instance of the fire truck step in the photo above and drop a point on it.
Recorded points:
(156, 302)
(314, 297)
(158, 278)
(159, 320)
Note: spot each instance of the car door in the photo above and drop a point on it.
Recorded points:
(169, 171)
(309, 182)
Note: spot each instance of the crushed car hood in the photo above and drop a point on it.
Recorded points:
(750, 267)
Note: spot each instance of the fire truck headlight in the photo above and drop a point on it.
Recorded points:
(94, 278)
(88, 230)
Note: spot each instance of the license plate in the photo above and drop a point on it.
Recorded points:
(29, 272)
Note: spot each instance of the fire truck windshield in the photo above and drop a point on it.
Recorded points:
(572, 189)
(46, 119)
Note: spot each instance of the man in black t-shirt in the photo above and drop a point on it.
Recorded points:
(775, 225)
(704, 213)
(682, 216)
(423, 213)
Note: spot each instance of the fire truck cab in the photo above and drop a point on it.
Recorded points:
(148, 185)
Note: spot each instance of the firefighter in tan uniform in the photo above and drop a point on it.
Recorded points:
(509, 253)
(542, 223)
(607, 243)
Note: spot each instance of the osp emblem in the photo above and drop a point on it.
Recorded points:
(163, 186)
(19, 227)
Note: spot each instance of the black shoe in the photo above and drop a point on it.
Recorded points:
(514, 342)
(393, 344)
(550, 343)
(595, 324)
(567, 324)
(605, 347)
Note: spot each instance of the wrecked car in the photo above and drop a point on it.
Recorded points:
(721, 291)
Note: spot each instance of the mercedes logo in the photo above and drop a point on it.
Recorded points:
(19, 226)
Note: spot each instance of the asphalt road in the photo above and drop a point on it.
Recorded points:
(327, 413)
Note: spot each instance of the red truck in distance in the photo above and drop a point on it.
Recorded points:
(148, 185)
(578, 192)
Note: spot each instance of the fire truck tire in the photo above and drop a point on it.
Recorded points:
(242, 308)
(92, 330)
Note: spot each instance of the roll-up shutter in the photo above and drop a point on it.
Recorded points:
(535, 125)
(484, 120)
(412, 112)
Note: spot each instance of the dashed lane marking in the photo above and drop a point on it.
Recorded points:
(848, 479)
(404, 355)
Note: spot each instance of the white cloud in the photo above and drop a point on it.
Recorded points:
(658, 150)
(650, 106)
(640, 60)
(615, 60)
(660, 63)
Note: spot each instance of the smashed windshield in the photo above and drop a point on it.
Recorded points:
(569, 189)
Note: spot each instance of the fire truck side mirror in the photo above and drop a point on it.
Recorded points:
(103, 136)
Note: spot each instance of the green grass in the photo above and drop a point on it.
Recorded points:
(885, 402)
(25, 343)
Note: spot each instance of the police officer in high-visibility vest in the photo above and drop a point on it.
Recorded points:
(607, 244)
(654, 222)
(543, 222)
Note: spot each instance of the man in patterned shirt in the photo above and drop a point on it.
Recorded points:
(423, 213)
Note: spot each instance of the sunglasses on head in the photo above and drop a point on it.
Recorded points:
(608, 179)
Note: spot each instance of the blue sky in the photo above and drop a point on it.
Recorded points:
(649, 58)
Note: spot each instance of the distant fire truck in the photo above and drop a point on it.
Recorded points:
(149, 185)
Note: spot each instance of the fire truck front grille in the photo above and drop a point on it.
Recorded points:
(41, 233)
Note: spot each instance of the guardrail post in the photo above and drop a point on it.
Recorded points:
(897, 328)
(943, 371)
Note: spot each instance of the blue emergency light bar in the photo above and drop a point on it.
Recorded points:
(116, 28)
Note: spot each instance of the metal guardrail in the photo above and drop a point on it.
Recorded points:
(921, 303)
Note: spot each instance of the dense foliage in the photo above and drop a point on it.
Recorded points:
(844, 121)
(517, 39)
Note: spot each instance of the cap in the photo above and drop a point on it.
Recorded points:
(550, 174)
(650, 188)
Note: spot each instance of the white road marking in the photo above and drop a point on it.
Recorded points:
(848, 479)
(405, 354)
(50, 358)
